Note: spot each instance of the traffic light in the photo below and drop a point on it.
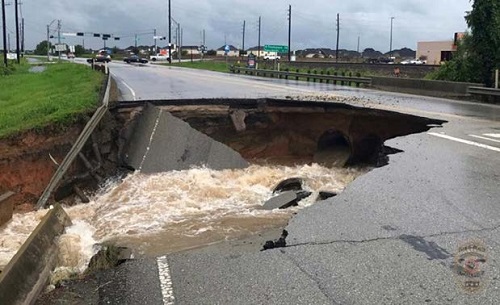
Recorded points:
(79, 34)
(97, 35)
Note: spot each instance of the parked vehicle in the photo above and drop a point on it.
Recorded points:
(71, 55)
(135, 58)
(159, 57)
(272, 57)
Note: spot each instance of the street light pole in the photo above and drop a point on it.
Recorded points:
(390, 47)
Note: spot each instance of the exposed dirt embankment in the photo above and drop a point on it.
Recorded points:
(25, 163)
(28, 161)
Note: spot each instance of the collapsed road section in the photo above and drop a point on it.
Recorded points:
(266, 130)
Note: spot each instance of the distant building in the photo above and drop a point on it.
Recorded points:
(194, 50)
(437, 52)
(256, 51)
(234, 52)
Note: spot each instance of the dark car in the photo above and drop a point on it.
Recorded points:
(135, 58)
(101, 57)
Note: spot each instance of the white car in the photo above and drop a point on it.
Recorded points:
(413, 62)
(158, 57)
(271, 57)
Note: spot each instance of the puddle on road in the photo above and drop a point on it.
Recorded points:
(162, 213)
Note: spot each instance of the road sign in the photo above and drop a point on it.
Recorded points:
(275, 48)
(60, 47)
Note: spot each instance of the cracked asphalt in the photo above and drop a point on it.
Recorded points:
(393, 236)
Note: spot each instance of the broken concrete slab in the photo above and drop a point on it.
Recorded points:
(281, 201)
(162, 142)
(323, 195)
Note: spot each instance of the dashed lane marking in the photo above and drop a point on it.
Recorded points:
(165, 281)
(484, 138)
(493, 135)
(464, 141)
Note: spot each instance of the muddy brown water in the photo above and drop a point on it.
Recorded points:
(173, 211)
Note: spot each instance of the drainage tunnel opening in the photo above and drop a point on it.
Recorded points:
(333, 149)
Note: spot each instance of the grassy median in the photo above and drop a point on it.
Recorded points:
(56, 96)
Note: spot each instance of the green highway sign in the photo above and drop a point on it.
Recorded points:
(275, 48)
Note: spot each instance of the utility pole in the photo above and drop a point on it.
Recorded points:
(338, 38)
(179, 55)
(243, 45)
(258, 47)
(135, 41)
(22, 35)
(390, 47)
(359, 38)
(289, 32)
(204, 37)
(154, 36)
(18, 53)
(59, 37)
(4, 27)
(48, 42)
(170, 31)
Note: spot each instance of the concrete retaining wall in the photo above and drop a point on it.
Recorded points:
(27, 273)
(422, 86)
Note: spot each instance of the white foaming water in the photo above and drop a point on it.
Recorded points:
(161, 213)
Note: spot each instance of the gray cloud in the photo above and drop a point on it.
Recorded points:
(313, 21)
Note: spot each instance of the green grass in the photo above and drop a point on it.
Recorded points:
(204, 65)
(58, 96)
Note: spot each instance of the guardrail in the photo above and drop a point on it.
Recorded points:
(483, 91)
(344, 80)
(75, 149)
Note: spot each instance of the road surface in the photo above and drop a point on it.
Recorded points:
(394, 236)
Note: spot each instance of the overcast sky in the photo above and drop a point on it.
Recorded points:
(313, 21)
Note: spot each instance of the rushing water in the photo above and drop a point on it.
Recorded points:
(162, 213)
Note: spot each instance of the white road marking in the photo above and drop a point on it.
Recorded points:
(165, 281)
(484, 138)
(493, 135)
(151, 137)
(125, 84)
(464, 141)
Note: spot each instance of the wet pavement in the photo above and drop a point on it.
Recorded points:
(397, 235)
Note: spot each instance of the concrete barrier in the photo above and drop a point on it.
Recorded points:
(422, 86)
(161, 142)
(26, 275)
(6, 207)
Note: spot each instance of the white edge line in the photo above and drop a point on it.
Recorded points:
(128, 87)
(165, 280)
(464, 141)
(484, 138)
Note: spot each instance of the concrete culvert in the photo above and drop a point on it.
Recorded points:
(333, 150)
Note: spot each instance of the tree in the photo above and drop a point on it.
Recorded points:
(42, 47)
(484, 49)
(477, 54)
(461, 68)
(79, 50)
